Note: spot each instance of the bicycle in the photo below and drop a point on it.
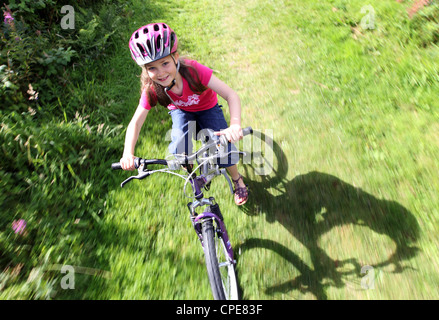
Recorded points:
(209, 225)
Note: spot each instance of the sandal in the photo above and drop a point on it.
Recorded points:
(241, 193)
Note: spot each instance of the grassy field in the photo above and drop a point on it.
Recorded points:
(347, 207)
(354, 181)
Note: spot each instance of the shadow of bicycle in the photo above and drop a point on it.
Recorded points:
(298, 208)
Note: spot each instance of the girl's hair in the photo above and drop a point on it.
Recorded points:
(155, 93)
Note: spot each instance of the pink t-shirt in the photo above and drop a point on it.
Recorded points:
(190, 101)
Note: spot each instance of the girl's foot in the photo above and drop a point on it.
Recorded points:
(241, 191)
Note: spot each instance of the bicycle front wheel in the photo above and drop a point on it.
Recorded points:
(220, 268)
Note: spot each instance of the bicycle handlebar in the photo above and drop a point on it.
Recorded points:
(139, 161)
(245, 131)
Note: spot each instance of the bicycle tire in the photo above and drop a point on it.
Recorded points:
(222, 276)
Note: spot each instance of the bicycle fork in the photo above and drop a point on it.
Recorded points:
(214, 214)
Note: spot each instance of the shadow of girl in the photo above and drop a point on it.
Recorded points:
(309, 206)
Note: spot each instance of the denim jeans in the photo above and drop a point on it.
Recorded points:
(198, 125)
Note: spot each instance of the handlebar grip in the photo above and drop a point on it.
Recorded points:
(116, 166)
(245, 131)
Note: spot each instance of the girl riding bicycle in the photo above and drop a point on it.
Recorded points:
(189, 90)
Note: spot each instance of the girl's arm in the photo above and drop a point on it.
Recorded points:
(234, 132)
(132, 134)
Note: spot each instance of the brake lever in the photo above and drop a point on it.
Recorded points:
(224, 173)
(142, 175)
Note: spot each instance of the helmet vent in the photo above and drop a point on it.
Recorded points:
(136, 36)
(165, 38)
(156, 27)
(148, 43)
(172, 39)
(141, 49)
(158, 42)
(145, 31)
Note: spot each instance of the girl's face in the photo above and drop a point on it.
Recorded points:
(163, 71)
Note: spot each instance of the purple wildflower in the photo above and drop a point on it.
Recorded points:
(19, 226)
(8, 17)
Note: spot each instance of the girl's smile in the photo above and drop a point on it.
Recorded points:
(163, 79)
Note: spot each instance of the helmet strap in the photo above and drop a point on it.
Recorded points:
(177, 64)
(170, 86)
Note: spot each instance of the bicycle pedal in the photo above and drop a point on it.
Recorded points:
(207, 186)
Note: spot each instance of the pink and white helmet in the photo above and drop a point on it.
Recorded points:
(152, 42)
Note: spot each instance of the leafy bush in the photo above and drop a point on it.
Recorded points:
(51, 176)
(55, 147)
(36, 50)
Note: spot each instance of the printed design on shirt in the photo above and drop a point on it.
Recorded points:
(191, 100)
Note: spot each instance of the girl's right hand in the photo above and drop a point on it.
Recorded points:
(127, 162)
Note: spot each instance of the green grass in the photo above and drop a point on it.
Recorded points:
(354, 119)
(354, 122)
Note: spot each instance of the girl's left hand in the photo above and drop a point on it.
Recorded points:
(232, 133)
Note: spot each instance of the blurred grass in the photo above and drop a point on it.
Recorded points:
(354, 118)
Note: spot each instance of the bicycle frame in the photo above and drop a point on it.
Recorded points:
(209, 224)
